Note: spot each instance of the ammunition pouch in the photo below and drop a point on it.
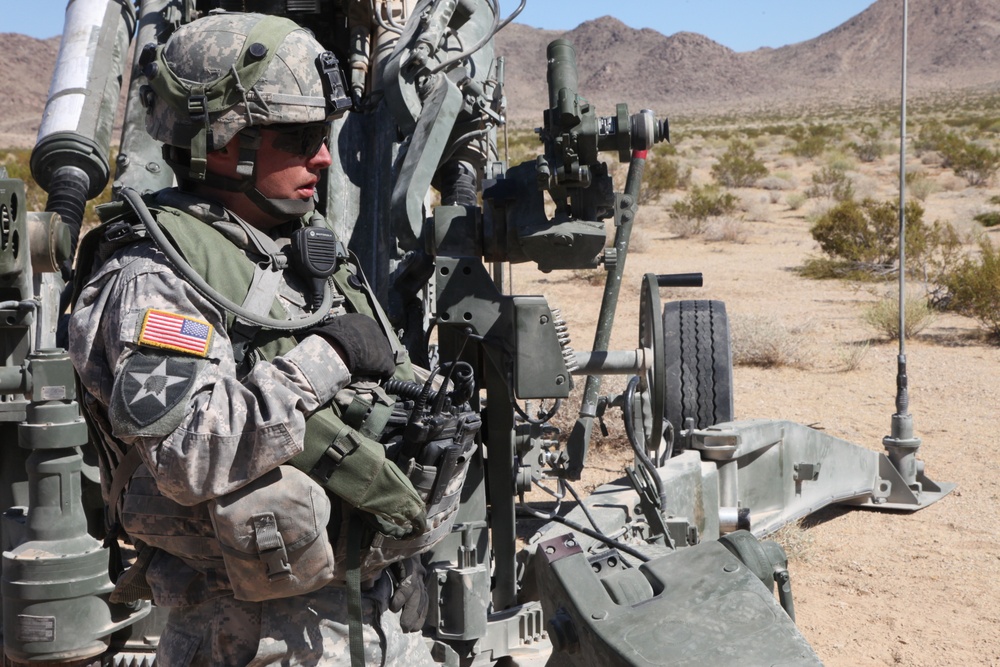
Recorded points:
(273, 534)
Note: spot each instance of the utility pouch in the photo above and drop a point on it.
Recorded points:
(355, 468)
(274, 537)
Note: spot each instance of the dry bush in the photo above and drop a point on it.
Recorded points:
(727, 230)
(684, 227)
(593, 277)
(852, 357)
(757, 207)
(775, 182)
(883, 316)
(919, 186)
(795, 539)
(795, 200)
(760, 340)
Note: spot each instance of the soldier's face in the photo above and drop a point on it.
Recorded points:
(290, 160)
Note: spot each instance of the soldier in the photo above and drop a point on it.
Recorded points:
(221, 371)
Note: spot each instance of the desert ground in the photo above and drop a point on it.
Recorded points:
(870, 588)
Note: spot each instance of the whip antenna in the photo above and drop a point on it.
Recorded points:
(902, 445)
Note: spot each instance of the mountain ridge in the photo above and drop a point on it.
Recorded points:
(952, 48)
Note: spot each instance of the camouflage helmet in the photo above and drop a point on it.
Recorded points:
(226, 72)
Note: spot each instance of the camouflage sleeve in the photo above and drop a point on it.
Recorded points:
(201, 432)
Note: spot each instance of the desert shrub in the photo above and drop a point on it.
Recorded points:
(796, 200)
(727, 230)
(809, 147)
(976, 164)
(662, 175)
(852, 357)
(883, 316)
(775, 183)
(933, 136)
(760, 340)
(870, 147)
(812, 141)
(704, 202)
(831, 181)
(739, 166)
(919, 186)
(988, 219)
(974, 287)
(862, 239)
(523, 145)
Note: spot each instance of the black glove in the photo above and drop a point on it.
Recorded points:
(366, 350)
(411, 594)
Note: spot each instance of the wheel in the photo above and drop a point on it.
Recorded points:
(699, 364)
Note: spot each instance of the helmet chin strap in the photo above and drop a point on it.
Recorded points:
(245, 182)
(285, 210)
(280, 209)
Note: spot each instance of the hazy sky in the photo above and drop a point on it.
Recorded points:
(742, 25)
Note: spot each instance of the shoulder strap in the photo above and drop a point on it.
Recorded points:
(119, 478)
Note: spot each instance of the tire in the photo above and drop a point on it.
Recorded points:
(699, 365)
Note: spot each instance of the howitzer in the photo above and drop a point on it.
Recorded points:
(665, 566)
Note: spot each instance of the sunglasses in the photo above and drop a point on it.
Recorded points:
(300, 139)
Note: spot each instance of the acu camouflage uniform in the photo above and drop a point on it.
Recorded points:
(205, 428)
(157, 365)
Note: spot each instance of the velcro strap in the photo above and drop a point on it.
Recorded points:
(369, 417)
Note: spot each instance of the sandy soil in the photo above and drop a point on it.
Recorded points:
(870, 588)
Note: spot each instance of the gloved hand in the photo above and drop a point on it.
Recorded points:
(411, 594)
(365, 349)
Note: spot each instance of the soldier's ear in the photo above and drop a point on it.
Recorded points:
(224, 160)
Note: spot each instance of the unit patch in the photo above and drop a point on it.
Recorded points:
(149, 388)
(175, 332)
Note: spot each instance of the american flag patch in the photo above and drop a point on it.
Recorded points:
(175, 332)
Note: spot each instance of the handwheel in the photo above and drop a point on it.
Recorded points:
(698, 362)
(649, 402)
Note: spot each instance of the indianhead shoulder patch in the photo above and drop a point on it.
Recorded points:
(150, 392)
(171, 331)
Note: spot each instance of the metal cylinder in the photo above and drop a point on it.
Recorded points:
(562, 76)
(49, 241)
(70, 158)
(611, 362)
